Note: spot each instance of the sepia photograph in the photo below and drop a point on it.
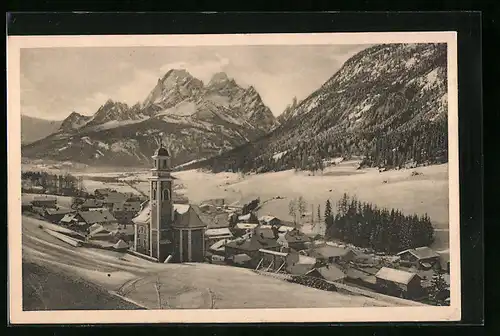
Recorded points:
(233, 178)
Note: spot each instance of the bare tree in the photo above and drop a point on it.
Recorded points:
(292, 210)
(301, 206)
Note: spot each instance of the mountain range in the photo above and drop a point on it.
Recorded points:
(387, 104)
(196, 120)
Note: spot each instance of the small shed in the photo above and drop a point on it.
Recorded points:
(298, 264)
(398, 283)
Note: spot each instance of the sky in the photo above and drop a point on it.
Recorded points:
(58, 81)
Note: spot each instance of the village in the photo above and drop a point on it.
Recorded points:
(166, 228)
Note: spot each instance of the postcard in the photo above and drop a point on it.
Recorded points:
(233, 178)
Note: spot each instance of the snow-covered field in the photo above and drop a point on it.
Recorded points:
(424, 193)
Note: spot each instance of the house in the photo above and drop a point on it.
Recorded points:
(85, 219)
(330, 272)
(269, 220)
(266, 232)
(114, 197)
(214, 235)
(26, 206)
(296, 239)
(399, 283)
(248, 218)
(362, 277)
(298, 264)
(91, 203)
(250, 247)
(420, 257)
(44, 201)
(125, 211)
(55, 215)
(69, 219)
(100, 193)
(242, 228)
(332, 254)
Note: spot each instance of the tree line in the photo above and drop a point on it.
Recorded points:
(63, 184)
(365, 225)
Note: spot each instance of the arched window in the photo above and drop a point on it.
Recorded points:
(153, 191)
(156, 164)
(166, 194)
(164, 164)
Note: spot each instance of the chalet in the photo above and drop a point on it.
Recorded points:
(329, 272)
(214, 235)
(44, 201)
(87, 218)
(55, 215)
(250, 247)
(420, 257)
(98, 232)
(332, 254)
(296, 239)
(91, 203)
(269, 220)
(398, 283)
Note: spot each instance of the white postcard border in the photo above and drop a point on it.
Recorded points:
(348, 314)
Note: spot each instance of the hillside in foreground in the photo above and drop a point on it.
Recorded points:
(180, 285)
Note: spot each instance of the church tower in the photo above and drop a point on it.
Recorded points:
(162, 209)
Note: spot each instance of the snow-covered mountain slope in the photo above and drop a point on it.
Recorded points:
(196, 120)
(387, 103)
(73, 122)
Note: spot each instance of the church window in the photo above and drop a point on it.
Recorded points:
(166, 194)
(164, 164)
(156, 164)
(153, 191)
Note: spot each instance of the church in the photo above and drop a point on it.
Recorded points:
(164, 230)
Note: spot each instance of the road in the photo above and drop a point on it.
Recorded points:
(177, 286)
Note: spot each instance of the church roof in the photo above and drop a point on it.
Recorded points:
(162, 151)
(187, 215)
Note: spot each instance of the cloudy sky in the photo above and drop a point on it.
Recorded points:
(57, 81)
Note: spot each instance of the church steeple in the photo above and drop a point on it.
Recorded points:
(161, 158)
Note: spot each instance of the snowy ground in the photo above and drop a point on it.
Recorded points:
(182, 285)
(424, 193)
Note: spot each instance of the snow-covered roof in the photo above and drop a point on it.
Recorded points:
(267, 218)
(218, 232)
(181, 208)
(395, 275)
(421, 252)
(246, 226)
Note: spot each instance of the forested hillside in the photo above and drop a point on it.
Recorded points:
(387, 104)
